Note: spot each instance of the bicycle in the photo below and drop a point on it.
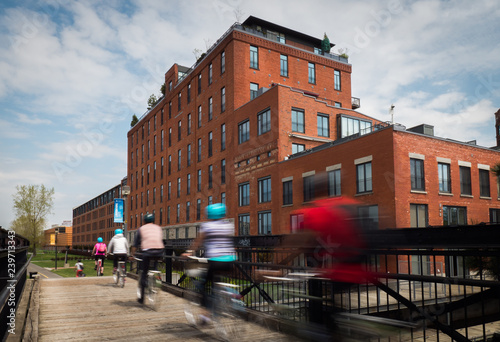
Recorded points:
(152, 289)
(119, 274)
(225, 304)
(99, 265)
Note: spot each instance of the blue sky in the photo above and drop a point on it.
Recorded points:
(72, 74)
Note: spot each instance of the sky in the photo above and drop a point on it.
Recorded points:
(72, 74)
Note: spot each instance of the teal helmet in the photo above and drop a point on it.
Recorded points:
(149, 218)
(99, 239)
(216, 211)
(118, 231)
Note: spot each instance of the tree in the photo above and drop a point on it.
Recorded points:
(152, 101)
(325, 44)
(32, 204)
(134, 120)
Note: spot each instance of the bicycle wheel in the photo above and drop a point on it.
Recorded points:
(99, 264)
(193, 312)
(152, 291)
(121, 278)
(116, 276)
(225, 316)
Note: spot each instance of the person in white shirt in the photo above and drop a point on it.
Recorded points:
(118, 246)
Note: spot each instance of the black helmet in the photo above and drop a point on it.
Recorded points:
(149, 218)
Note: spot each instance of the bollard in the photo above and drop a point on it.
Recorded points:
(33, 275)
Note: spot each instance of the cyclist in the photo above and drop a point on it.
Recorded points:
(100, 251)
(79, 269)
(149, 238)
(118, 246)
(216, 236)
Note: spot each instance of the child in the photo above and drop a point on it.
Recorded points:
(79, 269)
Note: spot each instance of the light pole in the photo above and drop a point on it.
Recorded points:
(56, 232)
(125, 193)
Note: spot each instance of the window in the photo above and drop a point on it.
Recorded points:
(223, 62)
(199, 149)
(298, 120)
(198, 209)
(169, 165)
(189, 155)
(364, 178)
(254, 88)
(334, 183)
(189, 124)
(254, 57)
(350, 126)
(244, 194)
(223, 99)
(417, 174)
(287, 193)
(154, 195)
(178, 187)
(170, 110)
(223, 197)
(199, 116)
(454, 215)
(210, 109)
(210, 175)
(198, 185)
(484, 183)
(178, 214)
(444, 177)
(189, 93)
(223, 171)
(170, 137)
(179, 130)
(223, 137)
(465, 181)
(210, 144)
(188, 184)
(162, 167)
(312, 73)
(210, 200)
(296, 148)
(296, 222)
(169, 191)
(337, 104)
(418, 215)
(170, 86)
(188, 207)
(264, 122)
(199, 84)
(161, 193)
(284, 65)
(179, 159)
(336, 80)
(308, 188)
(264, 190)
(369, 217)
(243, 131)
(494, 215)
(154, 145)
(179, 99)
(244, 224)
(265, 223)
(323, 125)
(154, 172)
(162, 140)
(210, 74)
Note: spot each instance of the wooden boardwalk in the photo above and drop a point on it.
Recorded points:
(94, 309)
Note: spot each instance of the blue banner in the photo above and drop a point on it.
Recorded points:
(118, 210)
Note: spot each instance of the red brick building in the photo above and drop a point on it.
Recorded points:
(264, 109)
(95, 218)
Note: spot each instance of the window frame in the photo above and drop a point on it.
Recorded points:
(417, 174)
(364, 179)
(264, 189)
(320, 120)
(298, 120)
(244, 131)
(264, 121)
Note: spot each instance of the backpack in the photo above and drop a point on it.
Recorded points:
(102, 248)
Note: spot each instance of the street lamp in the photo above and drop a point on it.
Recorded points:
(125, 193)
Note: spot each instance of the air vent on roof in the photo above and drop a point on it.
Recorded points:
(423, 129)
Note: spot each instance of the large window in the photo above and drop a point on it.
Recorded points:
(444, 177)
(484, 183)
(417, 174)
(284, 65)
(243, 131)
(336, 80)
(254, 57)
(418, 215)
(264, 190)
(288, 192)
(454, 216)
(254, 88)
(334, 188)
(244, 224)
(264, 122)
(244, 194)
(323, 125)
(265, 222)
(465, 181)
(312, 73)
(298, 120)
(308, 188)
(364, 178)
(350, 126)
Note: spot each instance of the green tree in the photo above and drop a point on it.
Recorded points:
(152, 101)
(32, 204)
(325, 44)
(134, 120)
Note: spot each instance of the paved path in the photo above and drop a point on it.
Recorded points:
(42, 272)
(94, 309)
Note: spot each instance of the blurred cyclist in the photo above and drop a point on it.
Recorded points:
(216, 236)
(118, 246)
(149, 238)
(99, 251)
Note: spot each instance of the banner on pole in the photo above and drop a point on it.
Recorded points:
(118, 210)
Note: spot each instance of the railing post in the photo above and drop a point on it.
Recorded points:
(169, 251)
(315, 305)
